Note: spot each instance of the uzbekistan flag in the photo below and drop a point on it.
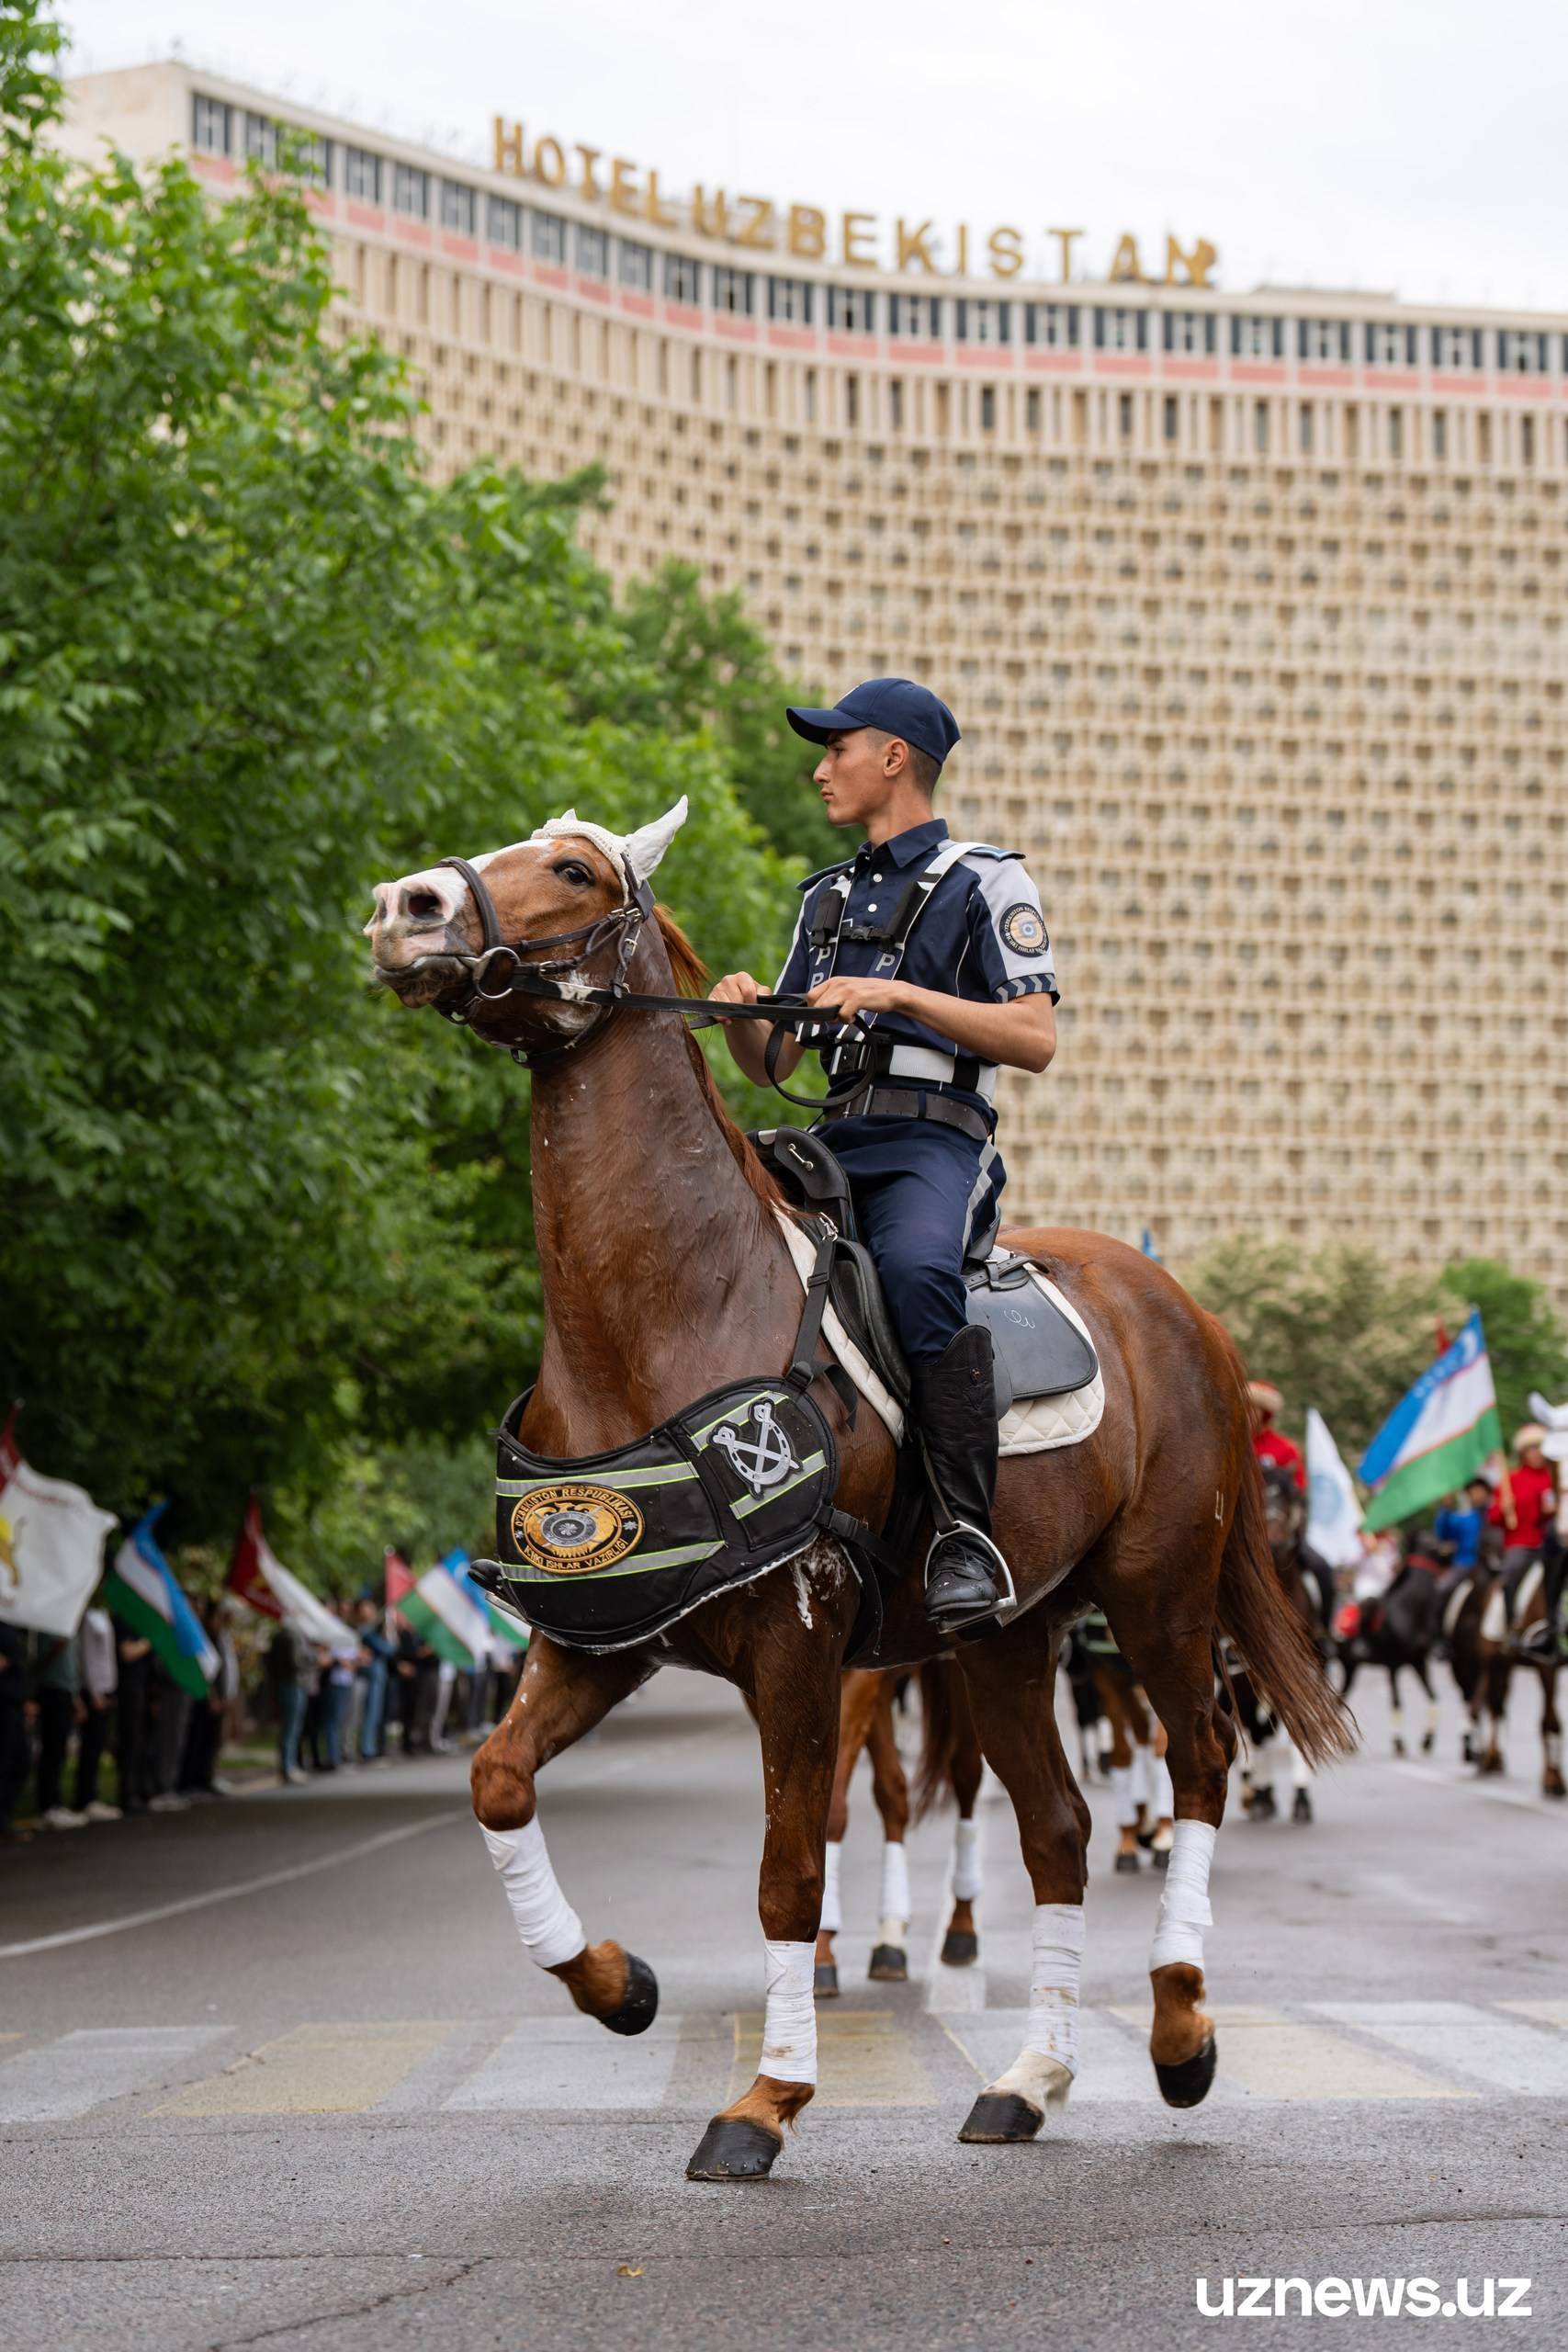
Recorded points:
(442, 1613)
(1437, 1436)
(503, 1627)
(142, 1592)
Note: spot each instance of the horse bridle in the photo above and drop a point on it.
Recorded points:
(538, 977)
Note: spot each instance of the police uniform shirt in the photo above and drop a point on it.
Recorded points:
(981, 935)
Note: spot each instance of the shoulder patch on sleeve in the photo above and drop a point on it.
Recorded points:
(1022, 928)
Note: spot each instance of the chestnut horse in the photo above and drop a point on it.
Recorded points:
(664, 1273)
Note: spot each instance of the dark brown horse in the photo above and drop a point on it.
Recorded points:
(665, 1272)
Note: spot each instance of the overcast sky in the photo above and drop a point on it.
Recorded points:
(1412, 145)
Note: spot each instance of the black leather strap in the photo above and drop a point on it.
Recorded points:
(903, 1102)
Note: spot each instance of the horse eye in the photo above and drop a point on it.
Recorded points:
(570, 871)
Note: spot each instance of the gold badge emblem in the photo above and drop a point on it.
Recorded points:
(572, 1529)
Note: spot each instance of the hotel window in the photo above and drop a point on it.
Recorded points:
(459, 208)
(591, 250)
(1192, 332)
(1257, 338)
(209, 126)
(917, 315)
(1172, 416)
(851, 310)
(1439, 434)
(633, 265)
(362, 175)
(1391, 347)
(1521, 354)
(547, 236)
(987, 408)
(1456, 348)
(411, 190)
(1395, 433)
(1121, 330)
(1034, 409)
(503, 223)
(983, 322)
(261, 139)
(732, 291)
(310, 157)
(1327, 341)
(1053, 325)
(683, 278)
(1303, 428)
(789, 301)
(895, 403)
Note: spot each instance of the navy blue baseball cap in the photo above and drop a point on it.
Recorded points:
(893, 706)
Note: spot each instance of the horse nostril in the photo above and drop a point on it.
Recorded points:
(424, 906)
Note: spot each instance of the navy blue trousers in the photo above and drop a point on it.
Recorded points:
(919, 1191)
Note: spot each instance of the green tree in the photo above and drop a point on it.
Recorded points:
(1524, 1336)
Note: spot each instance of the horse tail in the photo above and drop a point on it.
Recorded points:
(1272, 1640)
(939, 1736)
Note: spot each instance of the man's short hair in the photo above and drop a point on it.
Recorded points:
(925, 771)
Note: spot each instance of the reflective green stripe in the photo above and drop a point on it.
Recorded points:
(523, 1572)
(737, 1413)
(809, 1468)
(675, 1475)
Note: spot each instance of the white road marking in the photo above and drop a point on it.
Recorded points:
(1112, 2063)
(1461, 2040)
(953, 1991)
(572, 2062)
(1461, 1778)
(60, 2080)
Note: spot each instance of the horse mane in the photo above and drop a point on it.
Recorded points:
(690, 974)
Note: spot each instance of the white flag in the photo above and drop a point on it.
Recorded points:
(51, 1548)
(1334, 1515)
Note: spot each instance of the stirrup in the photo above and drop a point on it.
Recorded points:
(982, 1612)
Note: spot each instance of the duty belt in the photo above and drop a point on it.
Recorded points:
(903, 1103)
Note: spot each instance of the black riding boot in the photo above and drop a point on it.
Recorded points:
(954, 1406)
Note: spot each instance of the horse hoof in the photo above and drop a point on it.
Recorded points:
(1187, 2083)
(1160, 1858)
(960, 1948)
(1553, 1787)
(1128, 1862)
(1301, 1809)
(890, 1965)
(997, 2118)
(1399, 1748)
(640, 2007)
(1263, 1807)
(1429, 1743)
(733, 2149)
(825, 1980)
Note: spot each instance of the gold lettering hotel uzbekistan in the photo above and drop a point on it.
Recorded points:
(1251, 605)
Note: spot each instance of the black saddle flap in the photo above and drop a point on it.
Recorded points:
(1039, 1352)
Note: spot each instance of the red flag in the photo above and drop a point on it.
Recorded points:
(247, 1577)
(1444, 1342)
(399, 1576)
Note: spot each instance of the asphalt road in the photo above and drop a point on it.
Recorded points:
(274, 2071)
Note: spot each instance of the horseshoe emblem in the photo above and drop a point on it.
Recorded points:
(768, 1461)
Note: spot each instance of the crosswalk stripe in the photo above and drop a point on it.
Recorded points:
(572, 2062)
(1273, 2057)
(59, 2080)
(315, 2070)
(866, 2058)
(1543, 2012)
(1463, 2041)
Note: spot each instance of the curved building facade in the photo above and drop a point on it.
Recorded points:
(1251, 608)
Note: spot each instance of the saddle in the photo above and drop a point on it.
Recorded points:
(1038, 1352)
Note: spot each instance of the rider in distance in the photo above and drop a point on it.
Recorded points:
(940, 947)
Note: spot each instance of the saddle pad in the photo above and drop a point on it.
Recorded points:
(1457, 1599)
(1030, 1425)
(1495, 1616)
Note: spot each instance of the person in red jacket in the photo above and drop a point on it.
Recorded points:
(1268, 1443)
(1523, 1508)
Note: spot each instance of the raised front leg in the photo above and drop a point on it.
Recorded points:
(795, 1696)
(560, 1695)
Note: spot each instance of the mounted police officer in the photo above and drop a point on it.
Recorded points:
(940, 946)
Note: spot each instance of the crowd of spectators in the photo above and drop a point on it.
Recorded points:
(93, 1726)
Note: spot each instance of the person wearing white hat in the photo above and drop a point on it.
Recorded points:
(1524, 1509)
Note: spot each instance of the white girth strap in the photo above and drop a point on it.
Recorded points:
(789, 2021)
(550, 1929)
(1184, 1908)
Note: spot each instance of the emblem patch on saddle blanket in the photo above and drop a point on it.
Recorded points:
(571, 1529)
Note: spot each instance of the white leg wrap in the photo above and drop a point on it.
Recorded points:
(1431, 1715)
(895, 1894)
(832, 1910)
(1043, 2069)
(1162, 1797)
(1142, 1759)
(1396, 1716)
(967, 1877)
(1301, 1770)
(789, 2023)
(550, 1929)
(1122, 1789)
(1184, 1910)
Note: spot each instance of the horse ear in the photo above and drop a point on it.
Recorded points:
(649, 844)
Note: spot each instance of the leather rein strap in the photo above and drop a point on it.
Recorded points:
(536, 978)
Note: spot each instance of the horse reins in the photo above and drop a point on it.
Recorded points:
(536, 979)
